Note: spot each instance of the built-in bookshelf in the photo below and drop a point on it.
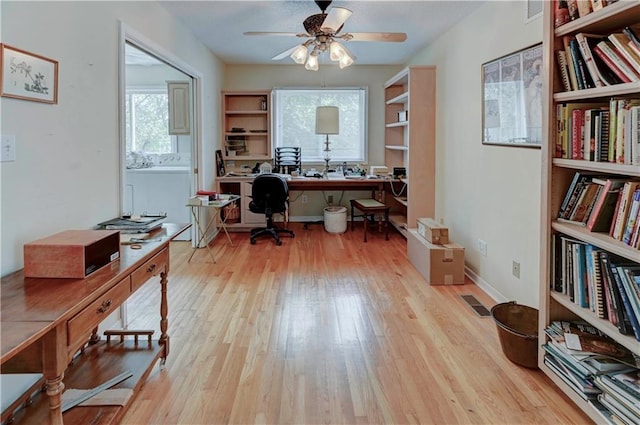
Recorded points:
(410, 144)
(562, 158)
(246, 125)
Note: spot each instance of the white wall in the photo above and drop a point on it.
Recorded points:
(66, 175)
(486, 192)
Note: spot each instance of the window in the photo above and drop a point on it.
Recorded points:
(147, 121)
(294, 115)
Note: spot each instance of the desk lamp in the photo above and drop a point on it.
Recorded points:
(327, 122)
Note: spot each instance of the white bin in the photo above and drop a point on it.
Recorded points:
(335, 219)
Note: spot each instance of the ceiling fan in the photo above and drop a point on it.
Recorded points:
(322, 32)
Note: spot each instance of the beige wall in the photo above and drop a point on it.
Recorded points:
(66, 175)
(486, 192)
(261, 77)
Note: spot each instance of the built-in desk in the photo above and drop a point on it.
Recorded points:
(241, 185)
(45, 322)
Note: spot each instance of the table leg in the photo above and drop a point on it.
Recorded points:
(164, 311)
(203, 233)
(54, 363)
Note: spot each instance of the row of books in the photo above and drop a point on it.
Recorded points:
(604, 204)
(599, 370)
(597, 280)
(570, 10)
(599, 131)
(591, 60)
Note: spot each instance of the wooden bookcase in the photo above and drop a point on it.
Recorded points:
(410, 102)
(246, 125)
(557, 174)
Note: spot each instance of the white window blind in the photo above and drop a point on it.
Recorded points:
(294, 122)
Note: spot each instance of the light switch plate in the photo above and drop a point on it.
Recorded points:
(8, 148)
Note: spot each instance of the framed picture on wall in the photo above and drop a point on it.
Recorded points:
(534, 9)
(512, 99)
(28, 76)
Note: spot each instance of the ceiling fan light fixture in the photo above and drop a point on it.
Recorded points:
(312, 62)
(346, 60)
(299, 55)
(336, 51)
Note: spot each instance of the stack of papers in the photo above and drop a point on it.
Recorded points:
(141, 224)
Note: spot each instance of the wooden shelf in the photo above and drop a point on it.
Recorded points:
(557, 173)
(96, 365)
(412, 90)
(250, 112)
(400, 99)
(399, 222)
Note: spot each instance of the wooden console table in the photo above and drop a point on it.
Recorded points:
(47, 322)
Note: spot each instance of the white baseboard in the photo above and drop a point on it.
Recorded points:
(486, 288)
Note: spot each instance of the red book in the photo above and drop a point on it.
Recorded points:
(611, 64)
(577, 144)
(605, 205)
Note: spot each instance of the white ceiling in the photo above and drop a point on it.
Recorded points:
(220, 26)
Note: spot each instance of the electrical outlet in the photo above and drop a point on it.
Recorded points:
(304, 199)
(330, 199)
(8, 148)
(482, 247)
(515, 269)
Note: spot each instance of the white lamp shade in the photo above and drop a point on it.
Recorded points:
(327, 120)
(312, 63)
(299, 55)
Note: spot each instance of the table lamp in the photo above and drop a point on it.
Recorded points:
(327, 122)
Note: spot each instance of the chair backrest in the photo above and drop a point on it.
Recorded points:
(269, 191)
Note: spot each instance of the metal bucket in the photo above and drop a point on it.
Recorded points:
(518, 332)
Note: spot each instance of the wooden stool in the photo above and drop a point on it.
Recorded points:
(369, 208)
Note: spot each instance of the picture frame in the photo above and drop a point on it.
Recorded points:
(28, 76)
(533, 10)
(512, 99)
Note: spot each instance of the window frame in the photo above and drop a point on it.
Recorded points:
(276, 117)
(129, 129)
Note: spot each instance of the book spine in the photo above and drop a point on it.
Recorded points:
(613, 114)
(604, 137)
(626, 301)
(588, 59)
(598, 50)
(632, 36)
(577, 59)
(566, 41)
(564, 70)
(620, 42)
(633, 214)
(635, 134)
(619, 60)
(576, 133)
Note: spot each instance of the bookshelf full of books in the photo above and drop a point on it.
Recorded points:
(590, 262)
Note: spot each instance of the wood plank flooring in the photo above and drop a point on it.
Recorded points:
(326, 329)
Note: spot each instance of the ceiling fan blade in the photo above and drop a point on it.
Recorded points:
(376, 36)
(285, 54)
(290, 34)
(336, 17)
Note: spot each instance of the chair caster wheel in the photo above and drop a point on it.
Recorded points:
(253, 242)
(278, 243)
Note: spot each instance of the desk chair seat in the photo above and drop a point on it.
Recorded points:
(269, 195)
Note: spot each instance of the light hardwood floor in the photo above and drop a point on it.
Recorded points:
(326, 329)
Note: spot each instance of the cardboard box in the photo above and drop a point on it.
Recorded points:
(71, 254)
(438, 264)
(433, 231)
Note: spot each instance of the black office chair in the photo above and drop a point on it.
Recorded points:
(269, 195)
